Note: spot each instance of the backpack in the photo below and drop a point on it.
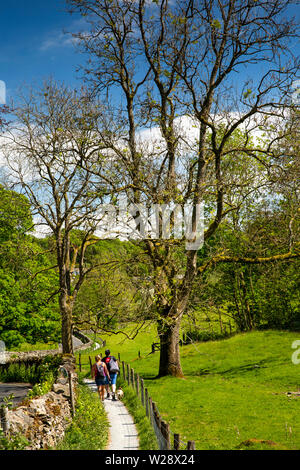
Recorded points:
(112, 364)
(99, 369)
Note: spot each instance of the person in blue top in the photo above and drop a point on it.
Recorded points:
(113, 368)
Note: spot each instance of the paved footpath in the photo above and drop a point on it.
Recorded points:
(123, 432)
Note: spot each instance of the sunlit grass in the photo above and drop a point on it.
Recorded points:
(89, 428)
(234, 393)
(25, 347)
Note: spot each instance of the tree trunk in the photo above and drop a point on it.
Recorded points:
(169, 325)
(247, 309)
(169, 363)
(66, 324)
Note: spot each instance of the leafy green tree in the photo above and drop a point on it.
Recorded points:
(115, 293)
(252, 295)
(25, 281)
(15, 215)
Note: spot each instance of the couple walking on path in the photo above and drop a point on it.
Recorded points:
(104, 372)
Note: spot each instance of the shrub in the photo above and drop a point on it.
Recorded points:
(17, 442)
(204, 335)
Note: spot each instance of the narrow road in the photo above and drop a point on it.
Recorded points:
(19, 391)
(123, 432)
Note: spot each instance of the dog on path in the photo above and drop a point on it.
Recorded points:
(120, 394)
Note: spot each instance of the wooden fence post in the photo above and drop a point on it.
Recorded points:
(90, 362)
(142, 392)
(71, 394)
(119, 357)
(176, 441)
(137, 384)
(165, 430)
(156, 415)
(128, 375)
(147, 402)
(132, 378)
(80, 362)
(191, 445)
(151, 411)
(168, 436)
(123, 369)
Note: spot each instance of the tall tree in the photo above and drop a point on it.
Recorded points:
(181, 59)
(54, 131)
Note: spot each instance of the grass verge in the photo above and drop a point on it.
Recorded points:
(89, 428)
(147, 438)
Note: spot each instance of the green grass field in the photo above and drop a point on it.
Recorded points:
(234, 393)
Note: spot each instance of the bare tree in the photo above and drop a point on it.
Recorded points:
(182, 59)
(53, 132)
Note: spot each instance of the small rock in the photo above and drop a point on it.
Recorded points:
(61, 389)
(37, 407)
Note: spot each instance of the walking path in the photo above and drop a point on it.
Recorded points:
(123, 432)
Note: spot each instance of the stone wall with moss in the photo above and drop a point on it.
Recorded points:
(42, 421)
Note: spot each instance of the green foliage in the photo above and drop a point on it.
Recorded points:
(19, 373)
(262, 295)
(198, 335)
(111, 293)
(37, 346)
(16, 442)
(15, 215)
(40, 389)
(89, 428)
(7, 401)
(26, 283)
(42, 375)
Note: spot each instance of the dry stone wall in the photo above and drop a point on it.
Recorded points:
(43, 420)
(9, 357)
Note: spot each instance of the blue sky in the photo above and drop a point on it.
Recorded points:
(33, 45)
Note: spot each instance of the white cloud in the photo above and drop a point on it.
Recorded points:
(2, 92)
(58, 38)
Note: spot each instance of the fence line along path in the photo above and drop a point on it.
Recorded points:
(123, 432)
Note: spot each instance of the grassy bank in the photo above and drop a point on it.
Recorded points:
(89, 428)
(234, 393)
